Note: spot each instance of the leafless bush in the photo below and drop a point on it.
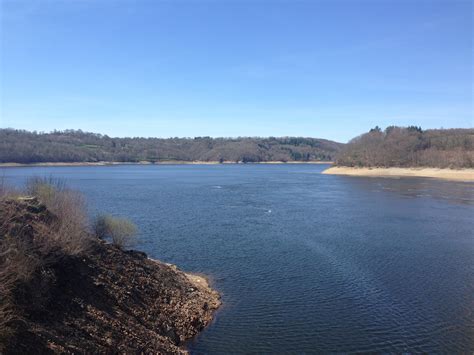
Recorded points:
(121, 231)
(69, 229)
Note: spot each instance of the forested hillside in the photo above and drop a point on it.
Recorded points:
(20, 146)
(410, 147)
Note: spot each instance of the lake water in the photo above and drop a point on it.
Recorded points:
(305, 262)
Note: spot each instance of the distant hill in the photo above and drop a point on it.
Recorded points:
(410, 147)
(19, 146)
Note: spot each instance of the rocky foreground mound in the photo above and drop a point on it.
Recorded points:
(102, 300)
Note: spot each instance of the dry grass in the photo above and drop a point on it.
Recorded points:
(69, 229)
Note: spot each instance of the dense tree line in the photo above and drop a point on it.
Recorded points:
(410, 147)
(21, 146)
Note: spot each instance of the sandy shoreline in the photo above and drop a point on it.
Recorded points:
(446, 174)
(170, 162)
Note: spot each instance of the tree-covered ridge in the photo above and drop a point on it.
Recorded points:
(410, 147)
(19, 146)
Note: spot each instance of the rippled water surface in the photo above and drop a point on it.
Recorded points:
(305, 262)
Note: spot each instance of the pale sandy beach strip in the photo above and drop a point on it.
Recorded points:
(447, 174)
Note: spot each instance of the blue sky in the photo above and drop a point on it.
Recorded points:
(330, 69)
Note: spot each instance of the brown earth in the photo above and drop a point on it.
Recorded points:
(104, 300)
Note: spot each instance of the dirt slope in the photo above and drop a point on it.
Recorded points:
(105, 300)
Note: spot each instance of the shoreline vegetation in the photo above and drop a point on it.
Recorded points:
(169, 162)
(410, 147)
(394, 172)
(66, 289)
(408, 152)
(392, 152)
(76, 146)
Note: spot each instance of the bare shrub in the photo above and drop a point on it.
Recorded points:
(120, 231)
(69, 230)
(71, 226)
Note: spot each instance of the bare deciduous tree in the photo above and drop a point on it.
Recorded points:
(410, 147)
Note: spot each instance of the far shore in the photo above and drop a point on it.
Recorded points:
(168, 162)
(446, 174)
